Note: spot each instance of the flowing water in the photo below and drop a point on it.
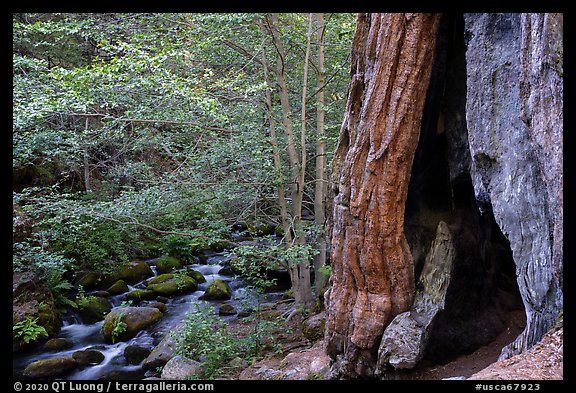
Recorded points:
(114, 366)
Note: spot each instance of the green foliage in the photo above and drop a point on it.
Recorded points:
(253, 263)
(118, 326)
(183, 248)
(51, 265)
(104, 241)
(205, 336)
(83, 300)
(325, 270)
(163, 113)
(180, 277)
(28, 330)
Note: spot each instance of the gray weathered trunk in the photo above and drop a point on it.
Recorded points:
(514, 116)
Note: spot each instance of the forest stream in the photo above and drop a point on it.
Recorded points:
(85, 336)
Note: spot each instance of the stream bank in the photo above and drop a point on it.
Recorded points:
(81, 351)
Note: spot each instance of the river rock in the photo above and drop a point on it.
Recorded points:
(313, 326)
(159, 279)
(514, 112)
(180, 368)
(178, 284)
(135, 319)
(218, 290)
(196, 275)
(159, 305)
(88, 280)
(167, 264)
(134, 272)
(226, 309)
(140, 294)
(404, 340)
(31, 298)
(58, 344)
(118, 287)
(88, 357)
(135, 354)
(162, 299)
(94, 309)
(48, 368)
(226, 271)
(162, 353)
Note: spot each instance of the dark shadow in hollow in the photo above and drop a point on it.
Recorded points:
(483, 291)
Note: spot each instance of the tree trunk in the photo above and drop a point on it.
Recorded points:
(299, 266)
(372, 268)
(279, 178)
(320, 170)
(86, 163)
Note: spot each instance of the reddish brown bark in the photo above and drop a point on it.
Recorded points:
(373, 279)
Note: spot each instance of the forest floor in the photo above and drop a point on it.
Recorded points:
(302, 359)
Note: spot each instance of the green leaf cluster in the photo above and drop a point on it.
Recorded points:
(28, 330)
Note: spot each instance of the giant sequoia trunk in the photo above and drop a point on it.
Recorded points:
(373, 275)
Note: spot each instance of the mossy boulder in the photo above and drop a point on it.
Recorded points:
(88, 280)
(132, 320)
(167, 264)
(218, 290)
(88, 357)
(226, 309)
(160, 279)
(58, 344)
(176, 285)
(313, 327)
(132, 273)
(159, 305)
(196, 275)
(118, 287)
(93, 309)
(53, 367)
(140, 294)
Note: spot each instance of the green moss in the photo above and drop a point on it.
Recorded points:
(118, 287)
(140, 294)
(196, 275)
(218, 289)
(177, 285)
(93, 309)
(159, 279)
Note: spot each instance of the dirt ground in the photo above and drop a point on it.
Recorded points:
(305, 360)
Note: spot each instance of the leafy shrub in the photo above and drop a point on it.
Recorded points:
(29, 330)
(83, 300)
(205, 336)
(118, 326)
(91, 243)
(180, 247)
(51, 265)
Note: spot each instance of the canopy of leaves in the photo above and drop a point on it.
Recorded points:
(127, 122)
